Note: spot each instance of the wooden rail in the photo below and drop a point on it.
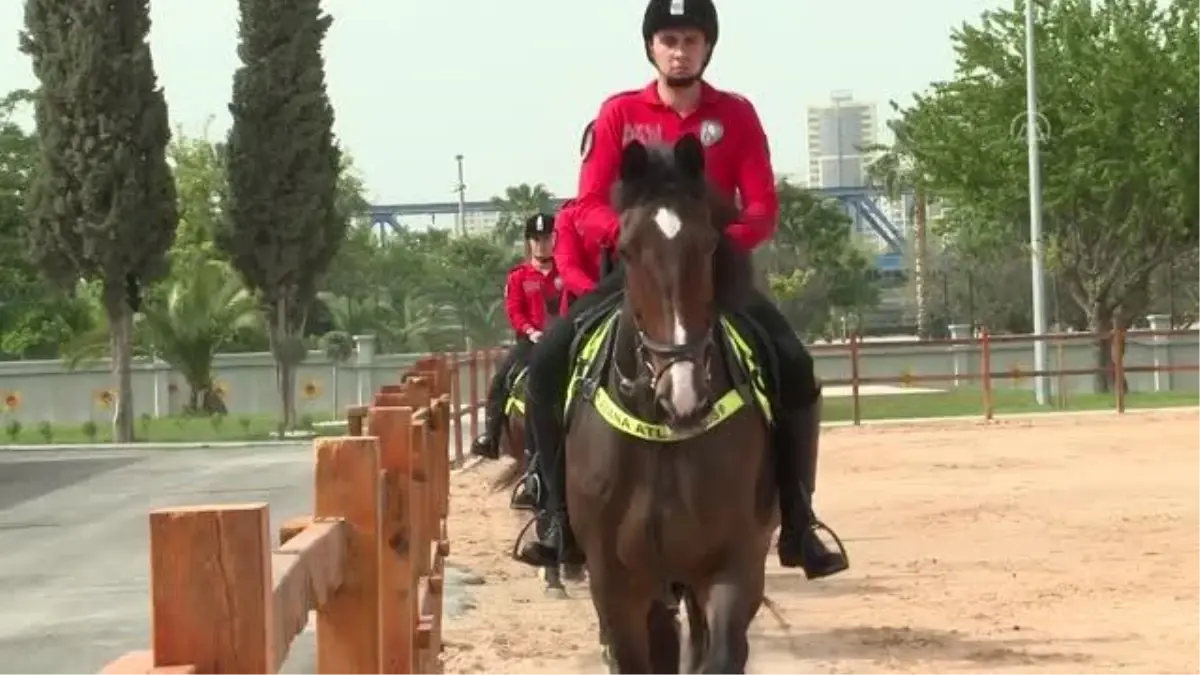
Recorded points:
(476, 367)
(370, 560)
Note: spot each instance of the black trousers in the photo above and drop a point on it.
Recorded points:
(546, 384)
(498, 390)
(797, 387)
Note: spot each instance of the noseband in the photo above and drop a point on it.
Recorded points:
(694, 351)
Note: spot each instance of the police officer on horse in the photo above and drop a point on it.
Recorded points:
(678, 37)
(532, 295)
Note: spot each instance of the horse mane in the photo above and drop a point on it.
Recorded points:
(733, 270)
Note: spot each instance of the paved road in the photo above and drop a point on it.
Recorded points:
(74, 591)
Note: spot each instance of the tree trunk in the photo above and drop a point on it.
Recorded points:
(120, 321)
(1100, 323)
(284, 371)
(920, 267)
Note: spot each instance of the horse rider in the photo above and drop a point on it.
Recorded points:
(532, 294)
(678, 37)
(569, 244)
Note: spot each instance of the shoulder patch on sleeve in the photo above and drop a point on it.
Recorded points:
(588, 140)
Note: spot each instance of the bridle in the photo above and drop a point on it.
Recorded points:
(697, 351)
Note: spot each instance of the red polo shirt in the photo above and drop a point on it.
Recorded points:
(531, 296)
(737, 160)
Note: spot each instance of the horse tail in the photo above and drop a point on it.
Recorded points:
(508, 478)
(512, 473)
(776, 612)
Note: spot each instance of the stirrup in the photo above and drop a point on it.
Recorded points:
(532, 483)
(516, 549)
(819, 525)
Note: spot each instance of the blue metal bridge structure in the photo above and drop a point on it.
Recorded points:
(857, 202)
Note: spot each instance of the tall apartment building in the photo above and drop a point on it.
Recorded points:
(836, 132)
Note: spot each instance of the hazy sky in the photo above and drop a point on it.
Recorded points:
(510, 85)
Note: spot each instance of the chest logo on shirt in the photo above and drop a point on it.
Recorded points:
(558, 283)
(531, 287)
(711, 131)
(645, 134)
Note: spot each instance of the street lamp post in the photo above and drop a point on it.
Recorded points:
(1037, 254)
(461, 189)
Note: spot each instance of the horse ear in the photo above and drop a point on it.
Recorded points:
(689, 156)
(635, 162)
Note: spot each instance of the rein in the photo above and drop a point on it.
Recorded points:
(697, 351)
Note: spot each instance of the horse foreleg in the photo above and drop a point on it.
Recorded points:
(623, 615)
(695, 601)
(732, 603)
(573, 573)
(663, 627)
(553, 574)
(554, 584)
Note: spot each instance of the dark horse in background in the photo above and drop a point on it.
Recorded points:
(524, 480)
(672, 496)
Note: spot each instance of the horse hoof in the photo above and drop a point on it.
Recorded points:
(556, 593)
(606, 657)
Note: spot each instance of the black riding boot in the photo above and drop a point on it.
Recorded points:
(528, 492)
(557, 546)
(800, 543)
(488, 444)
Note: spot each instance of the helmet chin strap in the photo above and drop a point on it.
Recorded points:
(680, 82)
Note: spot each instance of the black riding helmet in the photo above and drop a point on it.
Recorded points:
(664, 14)
(539, 225)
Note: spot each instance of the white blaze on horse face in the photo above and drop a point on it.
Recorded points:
(668, 222)
(683, 391)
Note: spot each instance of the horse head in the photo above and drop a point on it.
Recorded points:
(671, 225)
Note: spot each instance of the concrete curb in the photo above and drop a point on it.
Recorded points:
(148, 445)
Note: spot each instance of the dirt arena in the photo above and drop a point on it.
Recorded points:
(1062, 544)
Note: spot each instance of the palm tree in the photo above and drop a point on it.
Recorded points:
(339, 347)
(200, 312)
(404, 323)
(895, 172)
(518, 203)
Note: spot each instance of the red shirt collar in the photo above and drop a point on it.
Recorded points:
(708, 94)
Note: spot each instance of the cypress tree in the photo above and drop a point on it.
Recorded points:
(282, 223)
(101, 203)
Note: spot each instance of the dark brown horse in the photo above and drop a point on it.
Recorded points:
(513, 440)
(672, 495)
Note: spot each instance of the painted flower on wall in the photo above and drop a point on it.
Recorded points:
(1018, 373)
(11, 400)
(311, 389)
(105, 398)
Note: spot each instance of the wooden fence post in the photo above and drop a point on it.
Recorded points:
(348, 487)
(210, 584)
(392, 425)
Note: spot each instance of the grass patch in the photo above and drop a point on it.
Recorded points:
(179, 429)
(968, 402)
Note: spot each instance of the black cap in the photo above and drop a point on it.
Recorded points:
(539, 225)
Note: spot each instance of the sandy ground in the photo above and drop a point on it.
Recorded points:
(1065, 544)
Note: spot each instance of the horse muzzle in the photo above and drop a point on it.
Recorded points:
(682, 379)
